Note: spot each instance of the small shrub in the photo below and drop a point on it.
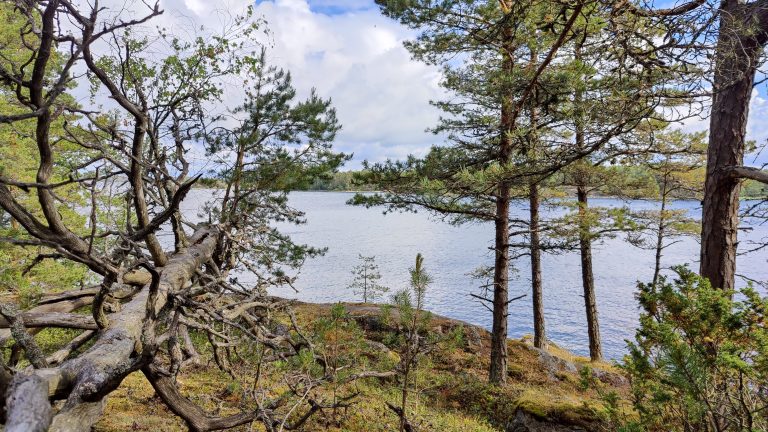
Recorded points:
(386, 314)
(586, 378)
(700, 359)
(456, 339)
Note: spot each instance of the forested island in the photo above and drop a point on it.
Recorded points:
(148, 172)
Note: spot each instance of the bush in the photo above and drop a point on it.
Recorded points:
(700, 359)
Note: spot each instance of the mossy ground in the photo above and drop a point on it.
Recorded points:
(453, 393)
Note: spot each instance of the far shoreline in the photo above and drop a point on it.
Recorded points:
(206, 187)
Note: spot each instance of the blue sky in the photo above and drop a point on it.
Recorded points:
(348, 51)
(338, 7)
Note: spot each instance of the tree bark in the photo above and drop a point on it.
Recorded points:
(585, 238)
(498, 370)
(539, 329)
(587, 278)
(120, 349)
(736, 61)
(28, 409)
(54, 319)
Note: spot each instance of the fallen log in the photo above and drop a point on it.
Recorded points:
(120, 349)
(53, 319)
(68, 295)
(62, 306)
(73, 345)
(28, 409)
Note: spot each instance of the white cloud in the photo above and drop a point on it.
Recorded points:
(345, 49)
(757, 127)
(357, 59)
(355, 56)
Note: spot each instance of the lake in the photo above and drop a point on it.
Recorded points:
(451, 253)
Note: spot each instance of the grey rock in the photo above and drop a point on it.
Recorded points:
(610, 378)
(525, 422)
(474, 336)
(281, 330)
(377, 346)
(554, 365)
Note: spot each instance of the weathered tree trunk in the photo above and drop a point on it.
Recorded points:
(539, 329)
(498, 370)
(736, 60)
(28, 409)
(120, 349)
(587, 277)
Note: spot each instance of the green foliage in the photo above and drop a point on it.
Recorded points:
(752, 189)
(366, 277)
(586, 378)
(340, 181)
(22, 275)
(386, 314)
(675, 159)
(279, 144)
(456, 339)
(413, 340)
(340, 341)
(591, 223)
(699, 361)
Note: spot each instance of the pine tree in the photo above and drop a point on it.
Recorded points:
(477, 175)
(677, 163)
(413, 322)
(511, 74)
(366, 279)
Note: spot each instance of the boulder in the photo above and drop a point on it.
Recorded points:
(525, 422)
(554, 365)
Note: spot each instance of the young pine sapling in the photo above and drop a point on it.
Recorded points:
(413, 321)
(366, 279)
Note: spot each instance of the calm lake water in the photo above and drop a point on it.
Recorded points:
(451, 253)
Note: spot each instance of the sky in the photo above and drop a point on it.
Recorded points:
(349, 52)
(354, 55)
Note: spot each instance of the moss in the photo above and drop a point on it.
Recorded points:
(453, 395)
(134, 406)
(52, 339)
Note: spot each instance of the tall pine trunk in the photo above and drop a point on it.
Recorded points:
(539, 329)
(587, 276)
(498, 370)
(736, 59)
(534, 202)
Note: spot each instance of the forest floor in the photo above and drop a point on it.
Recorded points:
(550, 390)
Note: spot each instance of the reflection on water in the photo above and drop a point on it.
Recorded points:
(453, 252)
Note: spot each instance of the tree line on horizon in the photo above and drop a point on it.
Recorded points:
(344, 181)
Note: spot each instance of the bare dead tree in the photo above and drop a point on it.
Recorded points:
(148, 296)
